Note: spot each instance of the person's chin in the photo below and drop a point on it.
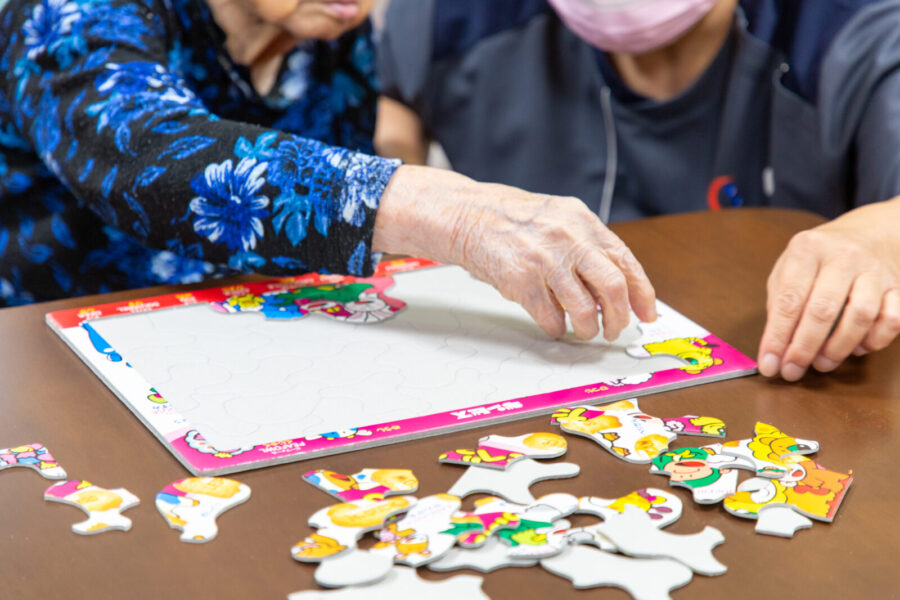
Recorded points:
(323, 23)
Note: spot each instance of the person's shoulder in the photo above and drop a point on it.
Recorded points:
(803, 30)
(459, 25)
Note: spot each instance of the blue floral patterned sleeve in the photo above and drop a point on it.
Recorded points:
(133, 152)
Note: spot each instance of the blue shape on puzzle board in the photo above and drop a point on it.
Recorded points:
(101, 345)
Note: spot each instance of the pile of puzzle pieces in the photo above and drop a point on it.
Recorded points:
(191, 504)
(787, 488)
(627, 547)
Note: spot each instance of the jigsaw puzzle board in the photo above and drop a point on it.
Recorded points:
(230, 392)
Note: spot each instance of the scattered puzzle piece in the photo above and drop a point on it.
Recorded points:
(490, 556)
(630, 434)
(370, 484)
(807, 488)
(768, 449)
(103, 507)
(710, 475)
(780, 521)
(34, 456)
(416, 538)
(355, 567)
(403, 582)
(643, 578)
(498, 452)
(697, 353)
(334, 545)
(360, 302)
(512, 483)
(661, 507)
(491, 514)
(635, 534)
(192, 505)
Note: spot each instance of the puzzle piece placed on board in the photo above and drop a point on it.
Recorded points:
(371, 484)
(643, 578)
(635, 534)
(34, 456)
(416, 538)
(362, 301)
(807, 488)
(709, 474)
(768, 449)
(513, 482)
(403, 582)
(627, 432)
(103, 507)
(696, 352)
(193, 504)
(341, 525)
(498, 452)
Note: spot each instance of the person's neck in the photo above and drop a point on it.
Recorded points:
(667, 72)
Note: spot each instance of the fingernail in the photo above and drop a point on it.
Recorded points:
(768, 366)
(792, 372)
(860, 351)
(824, 364)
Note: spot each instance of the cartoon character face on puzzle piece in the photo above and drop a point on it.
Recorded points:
(769, 448)
(694, 351)
(546, 441)
(192, 504)
(216, 487)
(103, 506)
(651, 445)
(694, 425)
(316, 547)
(396, 480)
(366, 514)
(815, 491)
(690, 466)
(195, 440)
(368, 309)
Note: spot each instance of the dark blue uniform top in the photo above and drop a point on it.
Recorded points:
(801, 108)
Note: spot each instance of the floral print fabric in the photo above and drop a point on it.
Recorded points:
(128, 157)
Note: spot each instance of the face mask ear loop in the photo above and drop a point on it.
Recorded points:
(612, 155)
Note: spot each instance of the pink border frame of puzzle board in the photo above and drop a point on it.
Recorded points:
(172, 430)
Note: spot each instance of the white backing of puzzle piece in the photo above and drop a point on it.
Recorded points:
(404, 582)
(781, 521)
(490, 556)
(635, 534)
(513, 483)
(643, 578)
(243, 380)
(353, 567)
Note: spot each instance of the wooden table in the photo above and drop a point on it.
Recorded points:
(711, 267)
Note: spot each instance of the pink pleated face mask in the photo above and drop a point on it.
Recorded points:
(631, 26)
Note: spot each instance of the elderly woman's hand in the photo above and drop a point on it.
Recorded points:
(550, 254)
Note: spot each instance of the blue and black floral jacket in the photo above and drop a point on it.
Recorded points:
(133, 151)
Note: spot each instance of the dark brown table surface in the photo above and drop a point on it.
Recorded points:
(712, 267)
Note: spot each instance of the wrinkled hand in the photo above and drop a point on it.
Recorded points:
(834, 291)
(550, 254)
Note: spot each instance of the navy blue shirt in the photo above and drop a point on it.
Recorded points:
(133, 151)
(801, 108)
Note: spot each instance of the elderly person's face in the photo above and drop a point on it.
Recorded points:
(259, 32)
(316, 19)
